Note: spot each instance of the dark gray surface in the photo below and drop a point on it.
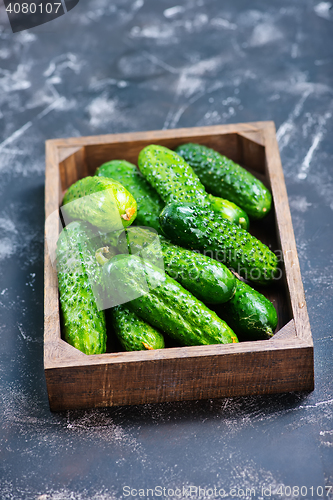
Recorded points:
(128, 66)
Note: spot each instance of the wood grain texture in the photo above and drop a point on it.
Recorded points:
(286, 235)
(52, 196)
(175, 378)
(284, 363)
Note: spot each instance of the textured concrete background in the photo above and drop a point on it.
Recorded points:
(139, 65)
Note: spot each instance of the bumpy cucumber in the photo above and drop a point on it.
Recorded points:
(208, 280)
(175, 180)
(103, 202)
(223, 177)
(200, 229)
(133, 333)
(149, 204)
(164, 303)
(170, 175)
(79, 276)
(250, 314)
(229, 211)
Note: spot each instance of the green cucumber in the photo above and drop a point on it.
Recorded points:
(103, 202)
(149, 204)
(229, 211)
(208, 280)
(175, 180)
(170, 175)
(164, 303)
(203, 230)
(225, 178)
(133, 333)
(250, 314)
(79, 279)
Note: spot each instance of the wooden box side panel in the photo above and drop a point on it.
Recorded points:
(73, 166)
(52, 197)
(286, 236)
(239, 148)
(180, 379)
(96, 155)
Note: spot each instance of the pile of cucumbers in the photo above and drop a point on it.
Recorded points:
(161, 255)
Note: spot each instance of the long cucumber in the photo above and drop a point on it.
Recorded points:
(203, 230)
(164, 303)
(225, 178)
(79, 280)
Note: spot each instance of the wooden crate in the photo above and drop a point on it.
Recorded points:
(281, 364)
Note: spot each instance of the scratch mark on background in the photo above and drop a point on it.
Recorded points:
(15, 135)
(26, 126)
(285, 130)
(302, 174)
(320, 403)
(160, 63)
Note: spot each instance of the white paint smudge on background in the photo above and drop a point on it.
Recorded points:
(324, 9)
(287, 128)
(8, 243)
(206, 65)
(219, 22)
(17, 80)
(327, 438)
(7, 248)
(7, 225)
(188, 85)
(102, 110)
(303, 172)
(297, 85)
(173, 11)
(265, 33)
(160, 63)
(25, 37)
(157, 32)
(62, 62)
(96, 84)
(137, 5)
(299, 203)
(252, 17)
(61, 104)
(4, 53)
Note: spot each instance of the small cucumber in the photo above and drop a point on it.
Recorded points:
(225, 178)
(78, 277)
(164, 303)
(229, 211)
(149, 204)
(103, 202)
(208, 280)
(203, 230)
(250, 314)
(133, 333)
(170, 175)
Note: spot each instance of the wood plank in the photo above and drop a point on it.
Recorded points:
(252, 154)
(254, 136)
(73, 167)
(52, 193)
(286, 233)
(286, 332)
(172, 379)
(152, 135)
(64, 153)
